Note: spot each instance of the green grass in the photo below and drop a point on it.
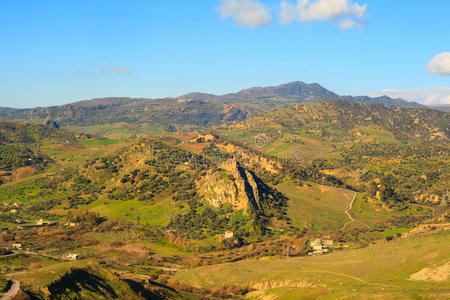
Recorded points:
(120, 130)
(158, 213)
(28, 190)
(44, 276)
(394, 231)
(109, 237)
(100, 142)
(382, 269)
(378, 134)
(368, 212)
(371, 214)
(317, 206)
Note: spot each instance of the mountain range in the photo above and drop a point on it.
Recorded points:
(194, 109)
(295, 92)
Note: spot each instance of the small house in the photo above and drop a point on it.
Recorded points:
(17, 246)
(316, 243)
(317, 247)
(73, 256)
(228, 234)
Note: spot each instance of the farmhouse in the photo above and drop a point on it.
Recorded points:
(228, 234)
(17, 246)
(73, 256)
(329, 242)
(320, 247)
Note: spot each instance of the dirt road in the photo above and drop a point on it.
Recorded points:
(13, 290)
(349, 214)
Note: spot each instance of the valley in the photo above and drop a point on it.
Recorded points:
(203, 209)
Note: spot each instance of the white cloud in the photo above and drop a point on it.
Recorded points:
(246, 13)
(343, 13)
(428, 96)
(346, 24)
(440, 64)
(116, 70)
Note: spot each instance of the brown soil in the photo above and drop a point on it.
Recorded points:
(24, 172)
(324, 188)
(18, 174)
(198, 148)
(437, 274)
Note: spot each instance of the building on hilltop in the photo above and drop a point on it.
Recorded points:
(228, 234)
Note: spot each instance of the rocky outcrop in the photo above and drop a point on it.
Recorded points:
(242, 189)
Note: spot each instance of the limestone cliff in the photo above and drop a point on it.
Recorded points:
(235, 185)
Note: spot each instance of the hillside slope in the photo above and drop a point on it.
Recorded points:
(20, 143)
(156, 112)
(395, 154)
(295, 92)
(344, 118)
(382, 271)
(193, 109)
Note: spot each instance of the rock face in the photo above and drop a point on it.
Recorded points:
(240, 188)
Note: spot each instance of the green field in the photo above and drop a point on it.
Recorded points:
(158, 213)
(100, 142)
(371, 214)
(379, 271)
(316, 206)
(119, 130)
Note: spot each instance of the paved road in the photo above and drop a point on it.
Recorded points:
(15, 288)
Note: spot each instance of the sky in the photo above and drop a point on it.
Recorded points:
(57, 52)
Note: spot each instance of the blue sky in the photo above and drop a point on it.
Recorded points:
(56, 52)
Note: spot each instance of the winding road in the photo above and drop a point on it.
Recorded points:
(349, 215)
(13, 290)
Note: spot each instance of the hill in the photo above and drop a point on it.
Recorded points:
(343, 118)
(386, 270)
(157, 113)
(144, 212)
(193, 109)
(295, 92)
(20, 143)
(23, 133)
(88, 280)
(369, 147)
(205, 213)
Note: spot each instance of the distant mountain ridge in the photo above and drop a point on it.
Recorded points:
(441, 107)
(300, 92)
(193, 109)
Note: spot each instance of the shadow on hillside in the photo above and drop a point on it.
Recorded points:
(145, 293)
(78, 280)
